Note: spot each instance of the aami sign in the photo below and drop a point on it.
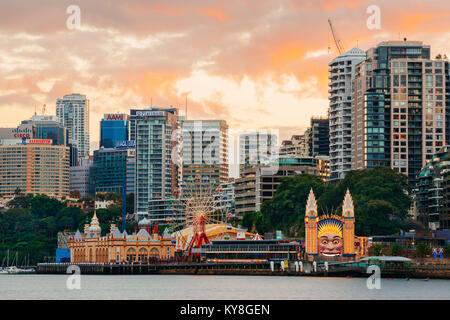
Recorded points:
(115, 117)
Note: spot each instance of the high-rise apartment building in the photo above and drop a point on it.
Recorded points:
(296, 147)
(114, 130)
(400, 109)
(319, 137)
(257, 148)
(341, 74)
(257, 184)
(156, 169)
(73, 112)
(432, 192)
(205, 150)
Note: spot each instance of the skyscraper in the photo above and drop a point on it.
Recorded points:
(114, 129)
(400, 114)
(73, 112)
(156, 173)
(257, 148)
(319, 137)
(205, 150)
(341, 74)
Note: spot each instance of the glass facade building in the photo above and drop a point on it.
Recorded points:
(114, 129)
(111, 168)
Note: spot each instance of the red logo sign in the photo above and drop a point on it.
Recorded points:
(39, 141)
(114, 116)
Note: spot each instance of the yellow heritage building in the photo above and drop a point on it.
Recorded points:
(116, 247)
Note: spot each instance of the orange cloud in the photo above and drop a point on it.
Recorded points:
(215, 13)
(286, 54)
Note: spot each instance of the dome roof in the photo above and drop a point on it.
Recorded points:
(144, 222)
(95, 225)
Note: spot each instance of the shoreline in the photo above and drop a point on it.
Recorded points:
(420, 272)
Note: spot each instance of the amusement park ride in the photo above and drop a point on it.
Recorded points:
(201, 203)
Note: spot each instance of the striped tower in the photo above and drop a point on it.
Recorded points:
(348, 216)
(311, 220)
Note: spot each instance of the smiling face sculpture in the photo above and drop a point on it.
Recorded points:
(330, 237)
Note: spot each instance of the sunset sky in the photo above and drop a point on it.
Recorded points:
(257, 64)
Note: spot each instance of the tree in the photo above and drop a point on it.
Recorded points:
(377, 249)
(380, 197)
(422, 250)
(447, 252)
(286, 210)
(396, 249)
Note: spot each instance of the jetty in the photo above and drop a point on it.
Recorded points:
(290, 268)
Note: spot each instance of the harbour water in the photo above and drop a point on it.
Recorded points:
(189, 287)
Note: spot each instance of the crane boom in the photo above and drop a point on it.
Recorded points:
(338, 42)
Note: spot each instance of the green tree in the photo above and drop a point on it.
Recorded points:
(396, 249)
(377, 249)
(422, 250)
(447, 252)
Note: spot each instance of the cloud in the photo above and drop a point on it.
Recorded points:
(254, 63)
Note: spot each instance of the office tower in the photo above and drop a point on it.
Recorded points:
(112, 169)
(114, 129)
(81, 177)
(73, 112)
(341, 74)
(156, 173)
(400, 115)
(205, 150)
(47, 127)
(34, 166)
(257, 148)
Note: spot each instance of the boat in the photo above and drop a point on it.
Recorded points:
(15, 270)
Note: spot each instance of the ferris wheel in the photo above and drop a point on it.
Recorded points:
(201, 202)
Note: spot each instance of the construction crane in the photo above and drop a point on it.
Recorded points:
(43, 109)
(338, 42)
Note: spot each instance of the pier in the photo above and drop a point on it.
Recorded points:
(293, 268)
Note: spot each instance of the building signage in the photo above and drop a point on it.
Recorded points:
(23, 131)
(125, 144)
(115, 117)
(149, 113)
(45, 118)
(39, 141)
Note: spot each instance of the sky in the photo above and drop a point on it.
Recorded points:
(257, 64)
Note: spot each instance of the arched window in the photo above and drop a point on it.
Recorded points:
(131, 255)
(142, 256)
